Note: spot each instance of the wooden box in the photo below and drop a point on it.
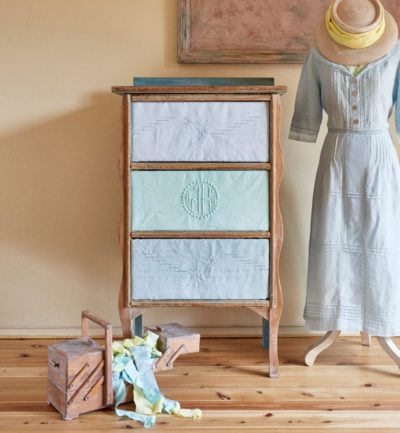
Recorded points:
(201, 168)
(79, 372)
(174, 340)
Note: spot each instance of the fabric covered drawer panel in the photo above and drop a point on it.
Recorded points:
(200, 131)
(200, 268)
(200, 200)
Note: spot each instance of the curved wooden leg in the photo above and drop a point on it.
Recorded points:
(271, 318)
(365, 339)
(124, 315)
(313, 351)
(274, 318)
(390, 348)
(123, 308)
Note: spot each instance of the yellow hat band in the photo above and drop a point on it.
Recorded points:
(354, 40)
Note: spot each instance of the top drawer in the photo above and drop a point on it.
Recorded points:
(233, 131)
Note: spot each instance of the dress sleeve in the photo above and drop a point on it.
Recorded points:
(396, 100)
(307, 115)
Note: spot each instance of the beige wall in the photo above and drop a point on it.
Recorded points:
(60, 196)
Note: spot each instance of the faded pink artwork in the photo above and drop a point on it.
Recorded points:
(252, 30)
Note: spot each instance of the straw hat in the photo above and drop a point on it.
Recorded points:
(357, 16)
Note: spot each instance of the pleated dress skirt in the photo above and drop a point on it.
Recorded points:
(353, 281)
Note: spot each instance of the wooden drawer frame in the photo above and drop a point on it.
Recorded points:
(269, 309)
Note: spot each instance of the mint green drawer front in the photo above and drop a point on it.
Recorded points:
(200, 200)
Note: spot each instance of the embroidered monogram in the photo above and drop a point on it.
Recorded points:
(200, 199)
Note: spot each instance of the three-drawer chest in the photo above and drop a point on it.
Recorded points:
(201, 226)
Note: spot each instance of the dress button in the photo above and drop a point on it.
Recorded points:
(354, 107)
(354, 93)
(356, 122)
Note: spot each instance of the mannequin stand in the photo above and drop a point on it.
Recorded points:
(329, 338)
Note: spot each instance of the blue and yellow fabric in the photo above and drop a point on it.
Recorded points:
(133, 361)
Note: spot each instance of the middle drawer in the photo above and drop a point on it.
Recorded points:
(234, 200)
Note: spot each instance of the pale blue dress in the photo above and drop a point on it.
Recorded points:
(353, 281)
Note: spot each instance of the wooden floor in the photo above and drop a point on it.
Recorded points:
(351, 389)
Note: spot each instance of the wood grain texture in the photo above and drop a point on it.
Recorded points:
(242, 303)
(200, 166)
(87, 316)
(353, 389)
(276, 233)
(165, 234)
(188, 90)
(124, 233)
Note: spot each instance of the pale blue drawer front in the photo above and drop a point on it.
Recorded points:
(200, 269)
(200, 131)
(200, 200)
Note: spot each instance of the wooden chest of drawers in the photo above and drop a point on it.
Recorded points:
(201, 224)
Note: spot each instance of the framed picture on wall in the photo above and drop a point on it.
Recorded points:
(251, 31)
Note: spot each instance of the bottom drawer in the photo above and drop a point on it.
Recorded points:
(200, 269)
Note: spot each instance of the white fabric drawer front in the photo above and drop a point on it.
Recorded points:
(200, 131)
(200, 269)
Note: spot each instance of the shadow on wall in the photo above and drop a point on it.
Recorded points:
(293, 254)
(60, 192)
(61, 198)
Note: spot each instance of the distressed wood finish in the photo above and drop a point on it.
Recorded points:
(124, 232)
(200, 166)
(174, 340)
(86, 317)
(201, 303)
(269, 309)
(276, 233)
(200, 97)
(198, 235)
(226, 91)
(79, 372)
(187, 55)
(251, 31)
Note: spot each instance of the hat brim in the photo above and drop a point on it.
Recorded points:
(337, 53)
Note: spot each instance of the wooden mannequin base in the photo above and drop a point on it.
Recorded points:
(330, 337)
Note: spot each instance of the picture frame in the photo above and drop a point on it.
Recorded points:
(250, 31)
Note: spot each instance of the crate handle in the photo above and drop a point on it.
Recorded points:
(86, 316)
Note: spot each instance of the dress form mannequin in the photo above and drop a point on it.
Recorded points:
(330, 337)
(354, 240)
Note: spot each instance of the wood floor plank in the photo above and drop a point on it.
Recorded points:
(351, 388)
(225, 421)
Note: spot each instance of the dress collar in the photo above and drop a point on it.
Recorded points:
(346, 71)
